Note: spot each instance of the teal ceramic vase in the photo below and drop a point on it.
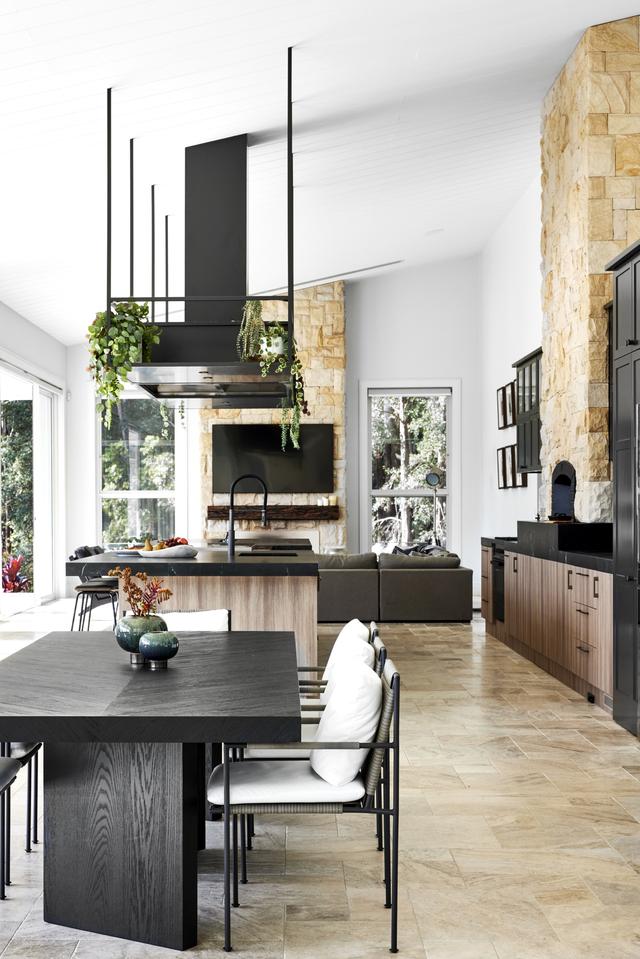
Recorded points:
(158, 647)
(130, 629)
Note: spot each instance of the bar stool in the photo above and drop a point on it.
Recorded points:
(92, 593)
(9, 769)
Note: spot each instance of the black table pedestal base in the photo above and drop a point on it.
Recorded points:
(121, 838)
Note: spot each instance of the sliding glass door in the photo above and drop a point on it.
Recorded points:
(27, 484)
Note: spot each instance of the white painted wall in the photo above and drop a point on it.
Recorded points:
(511, 328)
(81, 456)
(25, 345)
(420, 323)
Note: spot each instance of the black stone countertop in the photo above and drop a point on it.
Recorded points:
(602, 562)
(208, 562)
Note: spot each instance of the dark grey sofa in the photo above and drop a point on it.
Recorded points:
(428, 589)
(395, 588)
(348, 587)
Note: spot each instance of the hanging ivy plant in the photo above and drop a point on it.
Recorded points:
(117, 341)
(252, 330)
(270, 359)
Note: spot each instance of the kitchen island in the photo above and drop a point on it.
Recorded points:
(262, 589)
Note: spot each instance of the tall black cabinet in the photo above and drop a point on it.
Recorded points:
(625, 366)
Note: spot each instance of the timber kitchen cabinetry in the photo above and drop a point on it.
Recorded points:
(558, 615)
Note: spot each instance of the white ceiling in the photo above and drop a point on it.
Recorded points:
(416, 126)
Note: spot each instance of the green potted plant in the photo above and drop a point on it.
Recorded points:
(118, 340)
(275, 356)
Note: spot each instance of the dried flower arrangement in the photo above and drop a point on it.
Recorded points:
(143, 599)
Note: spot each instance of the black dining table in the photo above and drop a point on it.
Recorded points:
(124, 765)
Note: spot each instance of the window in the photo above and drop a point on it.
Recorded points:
(28, 488)
(138, 473)
(408, 433)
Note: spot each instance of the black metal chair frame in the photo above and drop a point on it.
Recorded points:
(31, 761)
(4, 858)
(382, 779)
(90, 598)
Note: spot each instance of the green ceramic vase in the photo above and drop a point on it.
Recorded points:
(130, 628)
(158, 647)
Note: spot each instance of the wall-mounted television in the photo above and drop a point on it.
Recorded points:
(257, 449)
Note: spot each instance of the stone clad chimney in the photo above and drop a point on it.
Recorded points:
(590, 211)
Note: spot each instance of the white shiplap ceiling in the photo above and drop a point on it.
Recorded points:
(416, 126)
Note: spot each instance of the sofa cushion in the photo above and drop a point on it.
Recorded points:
(397, 561)
(352, 714)
(349, 561)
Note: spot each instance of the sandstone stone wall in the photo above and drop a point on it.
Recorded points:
(590, 211)
(319, 327)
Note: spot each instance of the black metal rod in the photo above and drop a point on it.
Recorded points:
(109, 299)
(290, 209)
(193, 299)
(166, 267)
(131, 217)
(153, 252)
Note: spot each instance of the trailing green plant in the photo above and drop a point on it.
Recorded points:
(291, 413)
(118, 340)
(252, 330)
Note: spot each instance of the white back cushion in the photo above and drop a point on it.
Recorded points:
(352, 714)
(351, 649)
(209, 620)
(354, 630)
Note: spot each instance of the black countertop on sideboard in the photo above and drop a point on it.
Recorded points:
(542, 541)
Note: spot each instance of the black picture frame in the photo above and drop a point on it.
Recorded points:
(510, 403)
(502, 408)
(510, 467)
(502, 476)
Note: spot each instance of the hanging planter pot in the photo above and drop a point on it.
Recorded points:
(272, 345)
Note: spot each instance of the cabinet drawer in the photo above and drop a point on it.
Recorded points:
(584, 586)
(582, 625)
(584, 660)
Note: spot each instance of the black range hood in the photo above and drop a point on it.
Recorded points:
(196, 363)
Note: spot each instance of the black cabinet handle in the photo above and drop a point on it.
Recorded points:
(630, 342)
(515, 564)
(584, 612)
(583, 649)
(578, 573)
(569, 574)
(596, 587)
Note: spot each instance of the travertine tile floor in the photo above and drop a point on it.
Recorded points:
(520, 832)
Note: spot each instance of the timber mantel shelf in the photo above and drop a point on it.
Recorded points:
(275, 512)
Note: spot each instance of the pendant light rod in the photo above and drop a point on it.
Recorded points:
(153, 252)
(166, 267)
(131, 217)
(108, 310)
(290, 311)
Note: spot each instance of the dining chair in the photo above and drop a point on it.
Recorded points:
(280, 787)
(377, 652)
(25, 754)
(9, 769)
(346, 640)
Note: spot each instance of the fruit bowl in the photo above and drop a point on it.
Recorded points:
(169, 552)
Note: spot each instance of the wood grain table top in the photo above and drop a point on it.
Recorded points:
(79, 687)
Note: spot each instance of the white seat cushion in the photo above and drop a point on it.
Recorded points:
(353, 630)
(278, 782)
(352, 714)
(308, 735)
(209, 620)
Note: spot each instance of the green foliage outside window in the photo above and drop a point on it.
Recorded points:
(138, 453)
(16, 482)
(408, 438)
